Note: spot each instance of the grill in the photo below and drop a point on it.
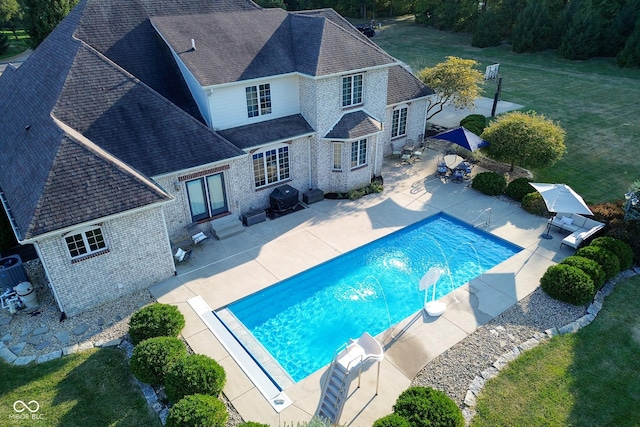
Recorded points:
(283, 198)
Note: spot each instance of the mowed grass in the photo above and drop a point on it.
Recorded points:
(16, 46)
(595, 102)
(590, 378)
(92, 388)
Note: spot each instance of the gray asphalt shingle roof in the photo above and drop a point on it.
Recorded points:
(404, 86)
(356, 124)
(253, 44)
(249, 136)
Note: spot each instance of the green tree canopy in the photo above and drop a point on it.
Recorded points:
(8, 10)
(455, 82)
(525, 139)
(42, 16)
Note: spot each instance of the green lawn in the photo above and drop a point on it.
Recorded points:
(590, 378)
(16, 46)
(594, 101)
(92, 388)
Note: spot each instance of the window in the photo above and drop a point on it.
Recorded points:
(258, 100)
(358, 153)
(337, 156)
(352, 90)
(271, 166)
(399, 122)
(85, 242)
(206, 196)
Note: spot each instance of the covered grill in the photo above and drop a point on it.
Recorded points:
(283, 198)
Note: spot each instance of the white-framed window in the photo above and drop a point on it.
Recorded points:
(399, 122)
(258, 100)
(207, 196)
(337, 156)
(85, 242)
(271, 166)
(352, 90)
(358, 153)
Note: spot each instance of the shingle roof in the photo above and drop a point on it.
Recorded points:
(279, 43)
(404, 86)
(354, 125)
(253, 135)
(132, 122)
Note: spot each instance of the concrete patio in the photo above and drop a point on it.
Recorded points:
(222, 271)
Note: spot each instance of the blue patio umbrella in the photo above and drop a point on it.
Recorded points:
(463, 137)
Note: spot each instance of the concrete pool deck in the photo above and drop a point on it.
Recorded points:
(222, 271)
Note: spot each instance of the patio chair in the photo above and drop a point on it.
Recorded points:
(182, 255)
(441, 168)
(418, 152)
(396, 150)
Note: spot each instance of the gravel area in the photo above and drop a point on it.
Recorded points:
(454, 370)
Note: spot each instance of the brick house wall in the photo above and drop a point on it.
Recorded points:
(130, 264)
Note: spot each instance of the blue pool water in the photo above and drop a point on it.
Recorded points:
(301, 321)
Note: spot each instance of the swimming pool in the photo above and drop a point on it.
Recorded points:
(302, 320)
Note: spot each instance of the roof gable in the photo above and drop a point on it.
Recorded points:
(85, 185)
(254, 44)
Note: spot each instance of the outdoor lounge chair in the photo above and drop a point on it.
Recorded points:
(396, 150)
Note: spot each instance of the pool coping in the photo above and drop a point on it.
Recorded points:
(226, 270)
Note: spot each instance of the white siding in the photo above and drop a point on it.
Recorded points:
(229, 103)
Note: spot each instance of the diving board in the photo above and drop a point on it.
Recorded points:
(276, 398)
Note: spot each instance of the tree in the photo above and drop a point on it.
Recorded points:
(526, 139)
(271, 4)
(455, 82)
(8, 9)
(629, 56)
(582, 38)
(487, 32)
(42, 16)
(533, 28)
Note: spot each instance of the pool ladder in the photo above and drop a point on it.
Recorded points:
(335, 389)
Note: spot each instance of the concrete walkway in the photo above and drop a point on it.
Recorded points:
(221, 272)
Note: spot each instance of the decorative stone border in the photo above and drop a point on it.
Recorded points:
(593, 309)
(11, 358)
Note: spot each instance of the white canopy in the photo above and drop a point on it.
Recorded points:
(562, 198)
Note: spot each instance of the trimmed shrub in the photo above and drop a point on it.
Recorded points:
(568, 283)
(620, 249)
(428, 407)
(152, 358)
(607, 259)
(607, 212)
(534, 204)
(518, 188)
(194, 373)
(391, 420)
(474, 123)
(489, 183)
(198, 410)
(628, 232)
(589, 266)
(155, 320)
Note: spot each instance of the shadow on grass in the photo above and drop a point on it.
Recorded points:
(93, 388)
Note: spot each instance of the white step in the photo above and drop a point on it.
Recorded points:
(226, 227)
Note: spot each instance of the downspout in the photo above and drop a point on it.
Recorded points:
(310, 183)
(46, 273)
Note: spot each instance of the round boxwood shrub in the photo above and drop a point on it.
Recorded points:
(474, 123)
(518, 188)
(489, 183)
(589, 266)
(198, 410)
(155, 320)
(194, 373)
(568, 283)
(603, 256)
(152, 358)
(391, 420)
(534, 204)
(428, 407)
(621, 249)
